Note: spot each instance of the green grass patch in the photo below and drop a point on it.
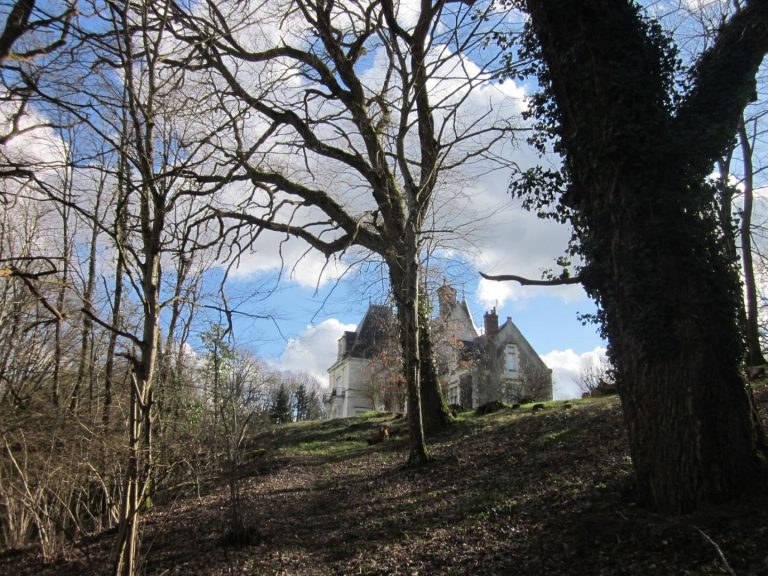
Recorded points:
(551, 437)
(338, 437)
(326, 448)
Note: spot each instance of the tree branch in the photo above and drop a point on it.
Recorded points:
(18, 23)
(111, 328)
(27, 277)
(326, 248)
(724, 83)
(16, 26)
(531, 282)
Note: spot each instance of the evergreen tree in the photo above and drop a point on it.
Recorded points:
(218, 365)
(281, 406)
(314, 406)
(301, 403)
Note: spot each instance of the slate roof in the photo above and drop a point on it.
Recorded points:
(372, 333)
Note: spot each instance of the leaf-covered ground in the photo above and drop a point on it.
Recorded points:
(514, 492)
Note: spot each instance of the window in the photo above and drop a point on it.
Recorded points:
(510, 359)
(453, 394)
(338, 383)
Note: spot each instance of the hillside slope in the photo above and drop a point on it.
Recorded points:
(514, 492)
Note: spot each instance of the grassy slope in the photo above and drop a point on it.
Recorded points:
(509, 493)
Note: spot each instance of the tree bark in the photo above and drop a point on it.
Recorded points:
(138, 476)
(436, 414)
(60, 299)
(151, 196)
(127, 535)
(655, 260)
(404, 275)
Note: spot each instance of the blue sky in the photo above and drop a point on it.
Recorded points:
(309, 313)
(507, 239)
(304, 323)
(490, 232)
(297, 326)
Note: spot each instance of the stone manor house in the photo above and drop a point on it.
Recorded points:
(473, 369)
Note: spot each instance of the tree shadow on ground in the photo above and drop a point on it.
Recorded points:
(512, 492)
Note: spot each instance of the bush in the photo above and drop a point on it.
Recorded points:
(490, 408)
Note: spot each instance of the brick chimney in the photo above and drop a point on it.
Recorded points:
(491, 323)
(446, 297)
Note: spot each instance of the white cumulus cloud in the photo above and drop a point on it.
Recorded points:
(314, 349)
(567, 366)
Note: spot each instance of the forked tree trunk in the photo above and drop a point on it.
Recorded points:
(655, 260)
(126, 546)
(138, 475)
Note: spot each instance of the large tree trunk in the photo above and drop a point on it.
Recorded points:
(655, 259)
(404, 275)
(693, 433)
(435, 412)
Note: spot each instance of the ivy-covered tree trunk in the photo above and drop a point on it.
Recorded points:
(636, 162)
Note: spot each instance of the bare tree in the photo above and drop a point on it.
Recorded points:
(383, 382)
(754, 356)
(596, 377)
(29, 40)
(141, 140)
(341, 154)
(137, 114)
(535, 379)
(239, 411)
(26, 325)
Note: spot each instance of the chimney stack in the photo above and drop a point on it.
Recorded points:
(491, 323)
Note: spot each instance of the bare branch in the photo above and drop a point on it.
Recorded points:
(27, 278)
(111, 328)
(531, 282)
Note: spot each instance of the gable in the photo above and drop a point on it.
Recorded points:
(510, 334)
(456, 323)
